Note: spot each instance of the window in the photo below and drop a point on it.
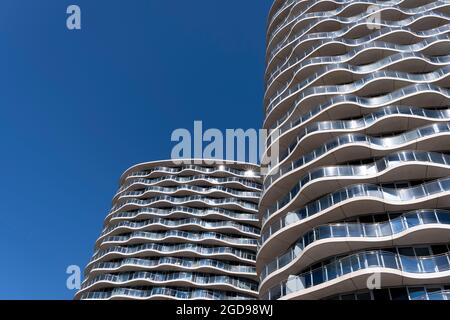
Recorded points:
(399, 294)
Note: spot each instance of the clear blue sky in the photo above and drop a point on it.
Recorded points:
(79, 107)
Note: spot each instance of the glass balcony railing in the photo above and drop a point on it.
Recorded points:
(302, 92)
(132, 225)
(172, 190)
(182, 200)
(334, 14)
(399, 196)
(177, 179)
(196, 294)
(440, 295)
(357, 230)
(390, 25)
(365, 122)
(387, 163)
(174, 262)
(164, 277)
(172, 249)
(385, 143)
(181, 168)
(187, 236)
(184, 210)
(301, 60)
(357, 262)
(288, 89)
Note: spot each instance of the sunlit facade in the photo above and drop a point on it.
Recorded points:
(180, 232)
(357, 206)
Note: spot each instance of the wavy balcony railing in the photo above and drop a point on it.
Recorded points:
(164, 278)
(271, 30)
(179, 263)
(194, 189)
(325, 15)
(338, 36)
(364, 123)
(172, 249)
(158, 223)
(358, 70)
(435, 188)
(418, 14)
(167, 213)
(273, 15)
(193, 168)
(362, 172)
(283, 126)
(367, 231)
(159, 293)
(185, 180)
(183, 200)
(301, 59)
(310, 92)
(360, 261)
(193, 237)
(435, 296)
(374, 143)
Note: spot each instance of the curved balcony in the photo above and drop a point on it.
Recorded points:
(181, 250)
(182, 212)
(309, 57)
(192, 223)
(273, 30)
(179, 229)
(230, 203)
(416, 14)
(343, 237)
(357, 196)
(173, 264)
(435, 296)
(175, 236)
(432, 137)
(420, 94)
(159, 293)
(323, 93)
(334, 15)
(299, 43)
(183, 190)
(140, 182)
(143, 278)
(394, 268)
(338, 71)
(415, 164)
(385, 119)
(186, 169)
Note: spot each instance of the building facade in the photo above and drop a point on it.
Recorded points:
(357, 206)
(179, 231)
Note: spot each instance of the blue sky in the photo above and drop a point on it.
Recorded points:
(79, 107)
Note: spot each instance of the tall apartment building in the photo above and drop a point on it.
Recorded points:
(179, 232)
(359, 200)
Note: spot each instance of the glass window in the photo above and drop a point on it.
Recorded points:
(412, 220)
(429, 217)
(444, 217)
